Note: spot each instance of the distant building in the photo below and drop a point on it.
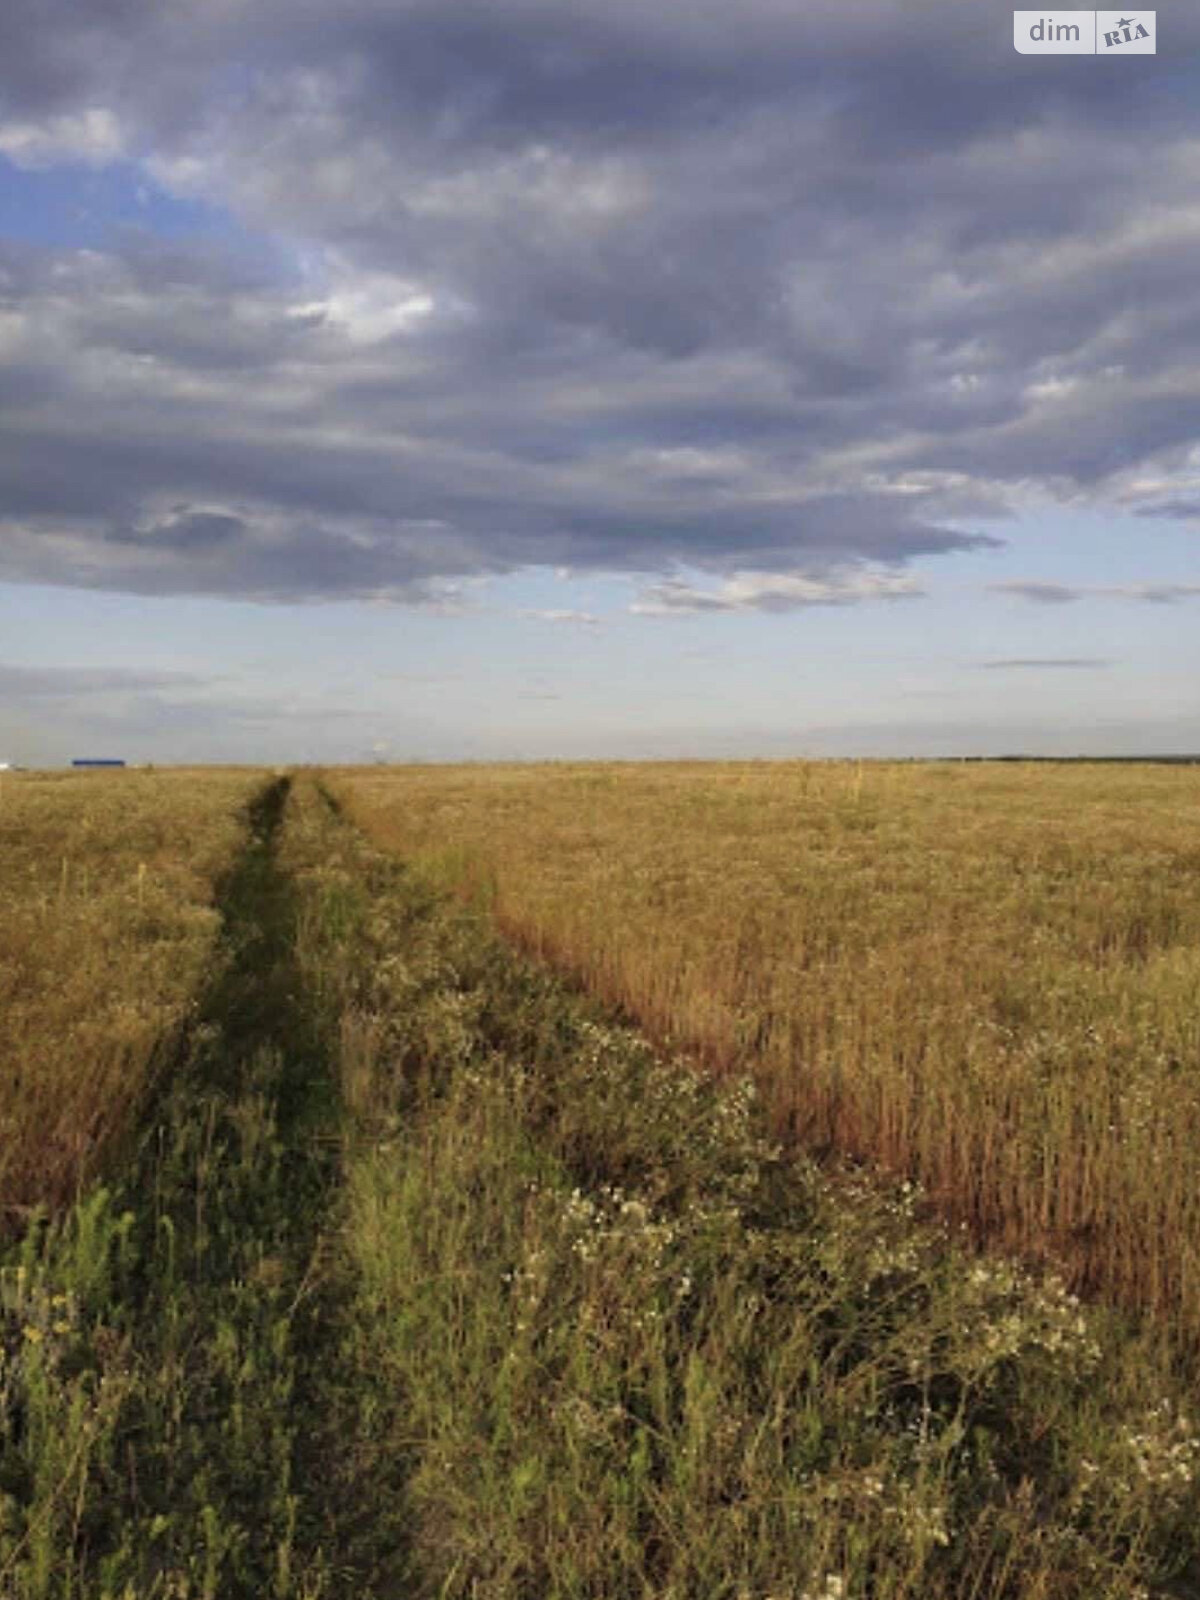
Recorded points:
(97, 761)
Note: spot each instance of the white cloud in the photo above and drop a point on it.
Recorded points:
(93, 136)
(771, 591)
(581, 619)
(369, 306)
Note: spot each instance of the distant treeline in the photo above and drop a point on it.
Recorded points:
(1059, 761)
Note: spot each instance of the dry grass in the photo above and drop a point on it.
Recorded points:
(107, 887)
(983, 977)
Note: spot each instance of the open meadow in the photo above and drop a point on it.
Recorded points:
(392, 1263)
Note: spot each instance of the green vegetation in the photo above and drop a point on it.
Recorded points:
(155, 1341)
(428, 1278)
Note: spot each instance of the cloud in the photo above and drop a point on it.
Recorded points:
(634, 289)
(1182, 508)
(1156, 594)
(759, 591)
(92, 136)
(1040, 593)
(1051, 663)
(569, 618)
(186, 528)
(49, 714)
(21, 683)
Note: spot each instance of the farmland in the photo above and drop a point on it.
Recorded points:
(984, 979)
(107, 885)
(416, 1269)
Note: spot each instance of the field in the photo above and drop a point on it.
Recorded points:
(390, 1262)
(107, 886)
(984, 979)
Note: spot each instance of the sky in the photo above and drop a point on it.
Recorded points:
(448, 380)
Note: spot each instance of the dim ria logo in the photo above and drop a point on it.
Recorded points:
(1084, 33)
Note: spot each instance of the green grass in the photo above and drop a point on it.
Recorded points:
(155, 1341)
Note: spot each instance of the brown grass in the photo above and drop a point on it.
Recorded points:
(107, 925)
(986, 978)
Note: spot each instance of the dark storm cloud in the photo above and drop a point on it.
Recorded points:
(765, 291)
(184, 530)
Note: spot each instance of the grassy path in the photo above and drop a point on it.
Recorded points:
(164, 1342)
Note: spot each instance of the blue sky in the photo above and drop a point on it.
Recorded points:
(416, 382)
(67, 205)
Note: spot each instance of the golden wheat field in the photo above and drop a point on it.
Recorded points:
(983, 976)
(349, 1249)
(107, 883)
